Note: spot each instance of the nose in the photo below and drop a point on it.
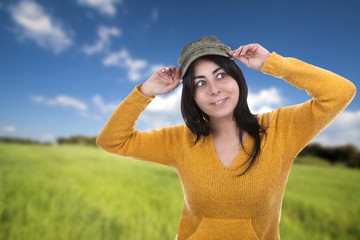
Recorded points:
(214, 89)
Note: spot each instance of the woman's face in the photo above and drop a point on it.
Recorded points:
(216, 92)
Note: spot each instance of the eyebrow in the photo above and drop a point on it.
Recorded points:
(217, 69)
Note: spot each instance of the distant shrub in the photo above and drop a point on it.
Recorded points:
(78, 139)
(348, 154)
(21, 141)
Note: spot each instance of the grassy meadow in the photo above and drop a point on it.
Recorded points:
(78, 192)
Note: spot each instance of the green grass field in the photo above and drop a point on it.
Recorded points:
(79, 192)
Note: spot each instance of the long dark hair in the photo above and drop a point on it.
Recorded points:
(199, 122)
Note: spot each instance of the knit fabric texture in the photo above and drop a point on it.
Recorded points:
(218, 204)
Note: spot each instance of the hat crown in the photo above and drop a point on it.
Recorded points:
(208, 45)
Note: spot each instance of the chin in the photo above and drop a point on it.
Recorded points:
(228, 115)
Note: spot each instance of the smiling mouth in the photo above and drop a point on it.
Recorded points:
(219, 102)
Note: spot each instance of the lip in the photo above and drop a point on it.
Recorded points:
(219, 103)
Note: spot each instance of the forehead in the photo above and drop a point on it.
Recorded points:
(204, 66)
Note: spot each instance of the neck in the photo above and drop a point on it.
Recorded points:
(223, 127)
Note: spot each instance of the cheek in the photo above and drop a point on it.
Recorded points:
(234, 89)
(237, 91)
(199, 98)
(196, 98)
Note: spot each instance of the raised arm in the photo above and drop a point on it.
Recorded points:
(295, 126)
(119, 135)
(330, 93)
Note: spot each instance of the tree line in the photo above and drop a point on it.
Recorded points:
(347, 154)
(78, 139)
(21, 141)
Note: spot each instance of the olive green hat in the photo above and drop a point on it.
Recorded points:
(208, 45)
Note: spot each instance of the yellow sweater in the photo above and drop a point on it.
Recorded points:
(217, 203)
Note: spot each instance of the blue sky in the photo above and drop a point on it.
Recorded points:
(66, 64)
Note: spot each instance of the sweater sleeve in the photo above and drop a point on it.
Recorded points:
(120, 137)
(295, 126)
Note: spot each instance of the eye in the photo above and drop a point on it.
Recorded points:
(200, 83)
(221, 75)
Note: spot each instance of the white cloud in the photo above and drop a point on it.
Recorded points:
(8, 129)
(67, 101)
(104, 34)
(61, 100)
(166, 104)
(106, 7)
(154, 15)
(116, 59)
(35, 24)
(136, 68)
(37, 99)
(163, 111)
(265, 100)
(98, 104)
(343, 130)
(101, 106)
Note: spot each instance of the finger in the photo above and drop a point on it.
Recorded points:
(251, 49)
(165, 74)
(172, 70)
(165, 69)
(241, 49)
(230, 52)
(175, 84)
(177, 73)
(236, 53)
(245, 50)
(233, 54)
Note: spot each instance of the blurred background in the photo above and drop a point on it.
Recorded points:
(65, 66)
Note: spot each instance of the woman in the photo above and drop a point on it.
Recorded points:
(233, 165)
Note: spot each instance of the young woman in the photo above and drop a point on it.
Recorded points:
(233, 165)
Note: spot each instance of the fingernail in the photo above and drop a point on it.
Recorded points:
(163, 70)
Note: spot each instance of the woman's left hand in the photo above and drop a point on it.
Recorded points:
(252, 55)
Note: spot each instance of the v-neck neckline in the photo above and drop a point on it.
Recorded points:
(240, 158)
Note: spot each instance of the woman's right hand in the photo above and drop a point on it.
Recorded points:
(162, 82)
